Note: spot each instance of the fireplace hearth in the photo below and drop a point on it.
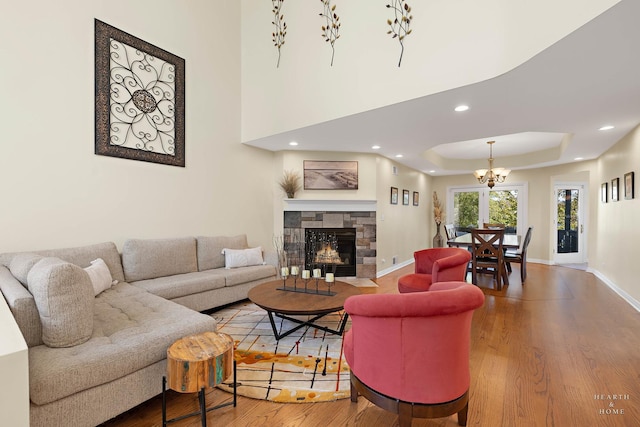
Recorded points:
(331, 250)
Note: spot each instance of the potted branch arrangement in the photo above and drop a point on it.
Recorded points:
(438, 215)
(290, 183)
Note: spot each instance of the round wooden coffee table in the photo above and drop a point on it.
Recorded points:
(284, 304)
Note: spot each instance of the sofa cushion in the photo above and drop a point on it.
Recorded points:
(21, 264)
(99, 275)
(83, 255)
(210, 249)
(239, 276)
(132, 330)
(64, 296)
(150, 258)
(234, 258)
(180, 285)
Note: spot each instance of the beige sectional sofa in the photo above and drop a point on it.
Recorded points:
(92, 357)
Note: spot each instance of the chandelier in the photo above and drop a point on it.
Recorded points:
(491, 175)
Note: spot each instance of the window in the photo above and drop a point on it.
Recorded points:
(470, 207)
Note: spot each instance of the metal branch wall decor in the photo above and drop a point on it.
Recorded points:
(332, 26)
(280, 27)
(399, 26)
(139, 99)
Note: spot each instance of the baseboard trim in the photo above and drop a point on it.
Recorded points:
(394, 268)
(632, 301)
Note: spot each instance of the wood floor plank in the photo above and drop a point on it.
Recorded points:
(552, 352)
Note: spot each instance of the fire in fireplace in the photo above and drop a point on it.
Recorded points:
(332, 250)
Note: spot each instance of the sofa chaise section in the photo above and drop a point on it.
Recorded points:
(131, 333)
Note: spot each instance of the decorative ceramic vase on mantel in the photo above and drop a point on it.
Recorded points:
(438, 240)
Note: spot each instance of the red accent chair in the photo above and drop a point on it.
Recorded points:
(435, 265)
(409, 353)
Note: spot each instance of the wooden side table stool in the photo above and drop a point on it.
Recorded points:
(196, 362)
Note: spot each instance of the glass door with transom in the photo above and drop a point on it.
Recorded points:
(471, 207)
(569, 236)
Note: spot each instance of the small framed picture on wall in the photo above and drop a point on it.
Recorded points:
(604, 189)
(405, 197)
(615, 185)
(394, 196)
(416, 198)
(628, 185)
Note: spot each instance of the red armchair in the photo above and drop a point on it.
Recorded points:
(409, 354)
(435, 265)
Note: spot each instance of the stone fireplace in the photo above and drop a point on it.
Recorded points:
(361, 224)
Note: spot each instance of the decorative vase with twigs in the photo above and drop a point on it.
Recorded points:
(438, 215)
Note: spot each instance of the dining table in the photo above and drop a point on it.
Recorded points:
(510, 241)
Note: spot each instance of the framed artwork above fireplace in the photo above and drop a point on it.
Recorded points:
(330, 175)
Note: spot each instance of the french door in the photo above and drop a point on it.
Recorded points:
(569, 235)
(470, 207)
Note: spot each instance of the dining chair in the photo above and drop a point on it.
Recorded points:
(487, 254)
(493, 225)
(450, 231)
(519, 256)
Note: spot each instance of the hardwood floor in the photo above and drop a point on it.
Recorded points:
(562, 350)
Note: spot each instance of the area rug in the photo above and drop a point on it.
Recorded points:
(306, 366)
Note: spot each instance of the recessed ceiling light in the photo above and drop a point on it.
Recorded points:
(461, 108)
(607, 127)
(579, 158)
(432, 171)
(375, 147)
(293, 143)
(398, 155)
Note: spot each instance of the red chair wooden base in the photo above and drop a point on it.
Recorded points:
(408, 410)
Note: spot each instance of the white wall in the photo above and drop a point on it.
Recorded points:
(615, 250)
(56, 192)
(402, 229)
(452, 44)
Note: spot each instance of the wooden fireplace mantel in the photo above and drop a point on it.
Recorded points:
(333, 205)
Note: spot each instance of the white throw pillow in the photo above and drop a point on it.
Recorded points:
(234, 258)
(100, 276)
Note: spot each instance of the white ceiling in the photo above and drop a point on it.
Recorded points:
(589, 79)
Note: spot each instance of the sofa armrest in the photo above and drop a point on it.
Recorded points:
(22, 306)
(270, 258)
(451, 268)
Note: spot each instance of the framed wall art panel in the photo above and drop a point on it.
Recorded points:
(330, 175)
(615, 189)
(139, 90)
(628, 185)
(394, 196)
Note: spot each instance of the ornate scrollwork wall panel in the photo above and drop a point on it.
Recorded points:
(139, 99)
